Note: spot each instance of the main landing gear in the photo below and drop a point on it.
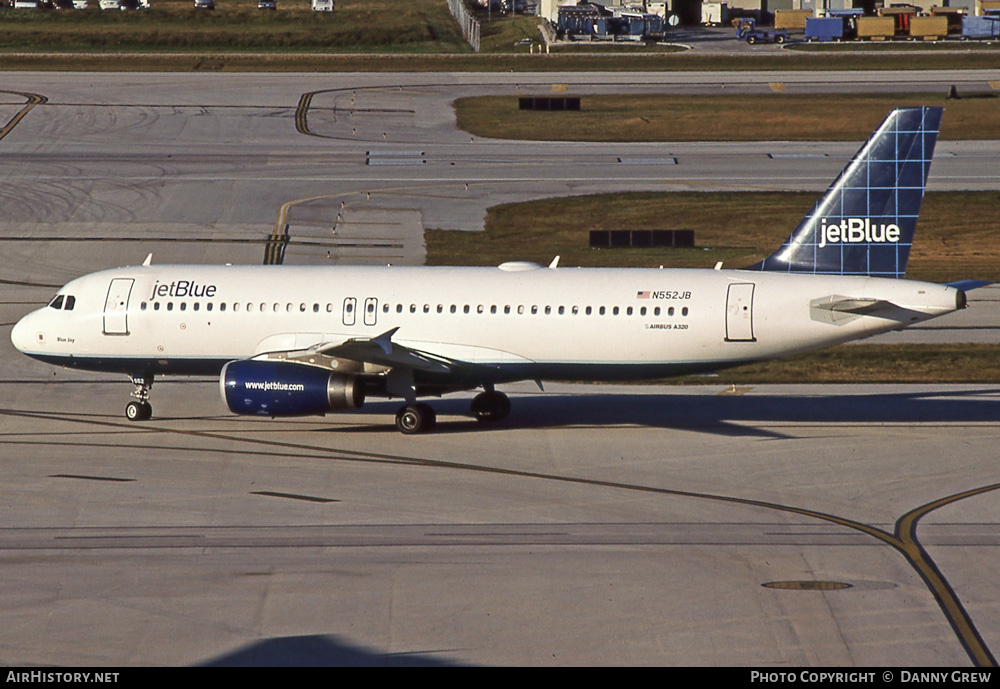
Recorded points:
(488, 407)
(140, 409)
(416, 418)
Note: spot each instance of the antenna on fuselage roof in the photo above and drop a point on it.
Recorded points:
(149, 260)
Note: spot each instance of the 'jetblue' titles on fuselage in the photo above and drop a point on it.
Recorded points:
(858, 230)
(182, 288)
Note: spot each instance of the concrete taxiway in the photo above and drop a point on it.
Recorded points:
(716, 525)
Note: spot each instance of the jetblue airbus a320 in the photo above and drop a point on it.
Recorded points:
(289, 341)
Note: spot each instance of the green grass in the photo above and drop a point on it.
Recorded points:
(861, 363)
(956, 236)
(758, 117)
(357, 26)
(362, 35)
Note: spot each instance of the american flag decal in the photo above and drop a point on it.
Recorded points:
(642, 295)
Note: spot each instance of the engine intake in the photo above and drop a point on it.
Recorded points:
(274, 388)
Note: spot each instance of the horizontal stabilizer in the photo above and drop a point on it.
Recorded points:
(966, 285)
(839, 310)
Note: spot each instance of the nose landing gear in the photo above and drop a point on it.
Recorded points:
(140, 409)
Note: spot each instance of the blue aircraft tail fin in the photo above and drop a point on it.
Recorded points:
(864, 223)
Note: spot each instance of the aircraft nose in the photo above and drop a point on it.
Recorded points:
(21, 336)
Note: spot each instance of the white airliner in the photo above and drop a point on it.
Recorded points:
(288, 340)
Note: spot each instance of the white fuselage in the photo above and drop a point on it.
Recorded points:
(532, 322)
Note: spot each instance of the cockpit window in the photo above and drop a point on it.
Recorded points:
(62, 302)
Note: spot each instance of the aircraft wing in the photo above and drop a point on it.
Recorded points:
(359, 354)
(382, 351)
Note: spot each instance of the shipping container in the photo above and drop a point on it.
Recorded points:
(954, 16)
(714, 13)
(927, 28)
(901, 16)
(985, 8)
(980, 27)
(824, 28)
(876, 28)
(850, 18)
(791, 20)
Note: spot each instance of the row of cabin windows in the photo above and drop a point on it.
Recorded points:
(535, 309)
(236, 306)
(453, 308)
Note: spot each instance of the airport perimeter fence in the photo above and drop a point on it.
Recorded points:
(469, 24)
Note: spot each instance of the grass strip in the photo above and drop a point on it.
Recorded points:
(870, 363)
(758, 117)
(955, 240)
(370, 35)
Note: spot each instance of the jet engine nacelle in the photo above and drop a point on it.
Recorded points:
(275, 388)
